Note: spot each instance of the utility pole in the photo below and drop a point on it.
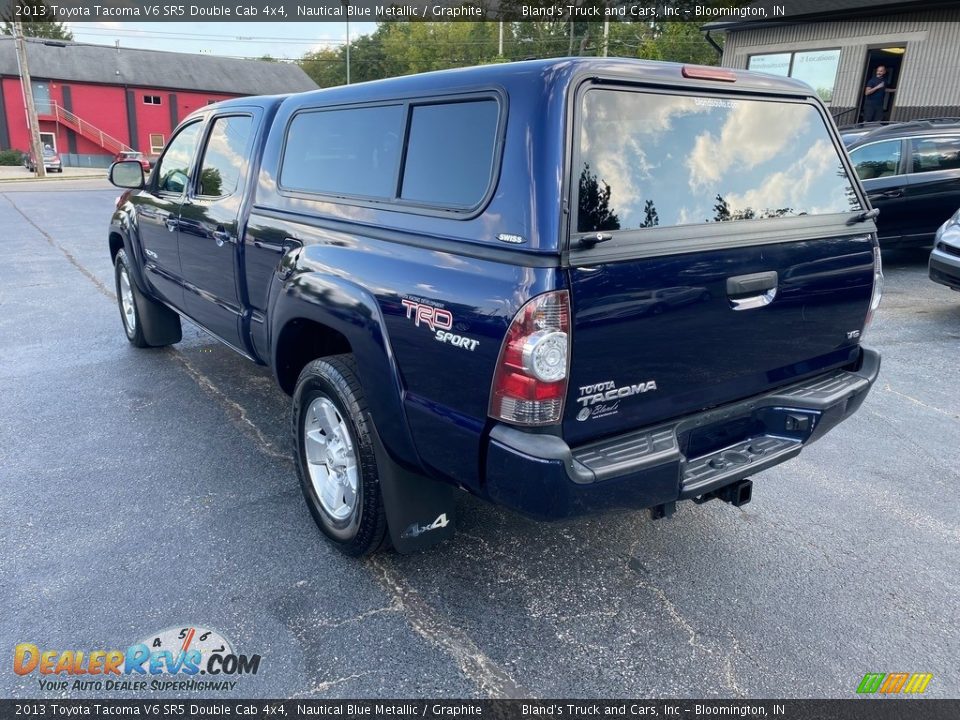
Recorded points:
(346, 10)
(500, 50)
(606, 36)
(32, 123)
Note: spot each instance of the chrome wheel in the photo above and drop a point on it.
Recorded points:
(331, 459)
(126, 302)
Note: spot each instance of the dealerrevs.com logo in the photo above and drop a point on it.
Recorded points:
(179, 658)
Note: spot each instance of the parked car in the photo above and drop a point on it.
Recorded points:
(849, 133)
(51, 161)
(911, 172)
(453, 276)
(945, 257)
(133, 155)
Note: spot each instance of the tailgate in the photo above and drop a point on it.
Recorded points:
(715, 254)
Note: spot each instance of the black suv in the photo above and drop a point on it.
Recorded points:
(911, 172)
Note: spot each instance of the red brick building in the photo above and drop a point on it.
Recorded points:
(94, 100)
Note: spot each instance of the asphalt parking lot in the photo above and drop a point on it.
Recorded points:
(143, 490)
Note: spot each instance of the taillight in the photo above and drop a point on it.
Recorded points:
(877, 289)
(530, 382)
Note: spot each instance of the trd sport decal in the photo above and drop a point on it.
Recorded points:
(439, 321)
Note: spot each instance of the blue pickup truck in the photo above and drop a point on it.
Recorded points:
(565, 286)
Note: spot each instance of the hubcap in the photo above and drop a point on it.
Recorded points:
(126, 301)
(331, 459)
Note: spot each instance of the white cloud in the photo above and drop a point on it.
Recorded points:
(752, 134)
(790, 188)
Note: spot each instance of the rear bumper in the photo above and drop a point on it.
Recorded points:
(541, 476)
(945, 266)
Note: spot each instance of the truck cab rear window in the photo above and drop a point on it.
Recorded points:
(647, 160)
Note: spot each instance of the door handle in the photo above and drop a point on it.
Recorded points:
(171, 223)
(752, 291)
(754, 301)
(222, 236)
(892, 194)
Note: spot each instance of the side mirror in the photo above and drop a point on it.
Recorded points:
(127, 174)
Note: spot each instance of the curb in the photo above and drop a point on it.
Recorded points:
(53, 179)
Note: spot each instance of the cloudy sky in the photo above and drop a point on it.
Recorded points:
(289, 40)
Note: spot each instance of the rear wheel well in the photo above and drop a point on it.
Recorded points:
(116, 243)
(301, 341)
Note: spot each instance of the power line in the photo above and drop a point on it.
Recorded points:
(178, 34)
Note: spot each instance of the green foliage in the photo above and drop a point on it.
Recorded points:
(403, 48)
(11, 157)
(40, 29)
(678, 42)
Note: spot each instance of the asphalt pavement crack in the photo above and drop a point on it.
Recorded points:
(239, 413)
(489, 677)
(66, 253)
(327, 684)
(395, 606)
(921, 403)
(729, 676)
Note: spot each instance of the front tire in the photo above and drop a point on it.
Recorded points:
(147, 322)
(335, 459)
(126, 298)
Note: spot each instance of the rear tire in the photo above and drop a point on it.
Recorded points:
(335, 459)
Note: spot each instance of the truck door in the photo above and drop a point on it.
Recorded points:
(158, 210)
(209, 228)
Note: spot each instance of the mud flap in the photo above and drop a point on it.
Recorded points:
(161, 325)
(420, 511)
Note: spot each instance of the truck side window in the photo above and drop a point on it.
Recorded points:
(224, 156)
(450, 153)
(355, 151)
(174, 172)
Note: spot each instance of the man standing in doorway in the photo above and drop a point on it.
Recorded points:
(874, 93)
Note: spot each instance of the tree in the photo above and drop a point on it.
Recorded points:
(721, 211)
(325, 67)
(678, 42)
(651, 217)
(49, 29)
(328, 67)
(594, 204)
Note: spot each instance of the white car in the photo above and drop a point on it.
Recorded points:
(51, 161)
(945, 258)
